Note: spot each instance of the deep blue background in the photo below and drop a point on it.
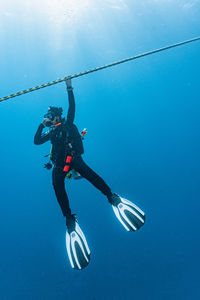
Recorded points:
(143, 139)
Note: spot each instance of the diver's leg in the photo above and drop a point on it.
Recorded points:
(80, 166)
(58, 178)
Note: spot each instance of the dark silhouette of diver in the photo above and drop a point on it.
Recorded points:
(66, 140)
(67, 148)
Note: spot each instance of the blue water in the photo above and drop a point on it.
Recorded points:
(143, 139)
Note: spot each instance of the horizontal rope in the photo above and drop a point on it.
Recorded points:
(98, 68)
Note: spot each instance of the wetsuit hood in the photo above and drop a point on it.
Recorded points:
(53, 112)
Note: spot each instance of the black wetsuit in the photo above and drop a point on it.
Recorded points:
(66, 140)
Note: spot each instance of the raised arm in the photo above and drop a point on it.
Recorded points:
(71, 109)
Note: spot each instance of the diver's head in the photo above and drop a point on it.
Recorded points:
(53, 115)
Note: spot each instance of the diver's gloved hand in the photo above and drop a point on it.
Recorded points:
(69, 84)
(46, 122)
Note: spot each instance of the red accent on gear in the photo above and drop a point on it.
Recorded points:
(67, 166)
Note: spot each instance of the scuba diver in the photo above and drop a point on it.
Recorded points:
(66, 155)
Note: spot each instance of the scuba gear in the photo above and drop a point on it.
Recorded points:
(76, 175)
(58, 124)
(73, 175)
(67, 163)
(65, 140)
(49, 116)
(83, 133)
(52, 112)
(48, 123)
(48, 166)
(76, 245)
(75, 147)
(129, 215)
(69, 159)
(69, 175)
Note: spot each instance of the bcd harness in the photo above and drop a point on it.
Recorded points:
(68, 159)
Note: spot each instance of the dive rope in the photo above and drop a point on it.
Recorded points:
(99, 68)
